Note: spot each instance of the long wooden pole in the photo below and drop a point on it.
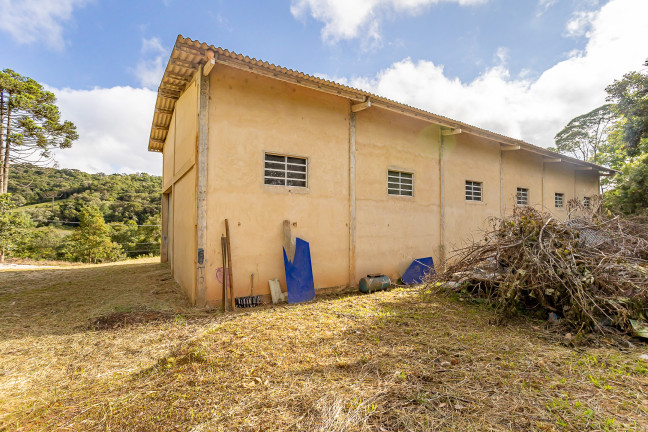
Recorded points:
(224, 254)
(229, 260)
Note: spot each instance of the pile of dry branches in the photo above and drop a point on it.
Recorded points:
(591, 271)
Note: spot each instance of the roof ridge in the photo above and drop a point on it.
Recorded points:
(398, 106)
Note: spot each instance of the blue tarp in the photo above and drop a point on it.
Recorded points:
(299, 274)
(418, 270)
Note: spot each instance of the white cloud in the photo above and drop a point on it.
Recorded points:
(150, 68)
(113, 125)
(502, 55)
(580, 23)
(30, 21)
(544, 5)
(530, 109)
(344, 19)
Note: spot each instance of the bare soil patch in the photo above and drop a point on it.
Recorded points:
(124, 319)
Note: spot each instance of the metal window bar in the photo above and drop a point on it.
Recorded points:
(522, 196)
(559, 200)
(400, 183)
(473, 191)
(284, 170)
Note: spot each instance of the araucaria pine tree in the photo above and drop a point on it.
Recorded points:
(30, 124)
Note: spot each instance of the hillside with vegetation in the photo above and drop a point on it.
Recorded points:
(51, 194)
(67, 214)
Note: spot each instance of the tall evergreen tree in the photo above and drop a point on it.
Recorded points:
(30, 124)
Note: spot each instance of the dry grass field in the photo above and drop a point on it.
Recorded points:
(116, 348)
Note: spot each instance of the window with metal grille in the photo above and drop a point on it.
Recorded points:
(586, 202)
(473, 191)
(522, 197)
(559, 200)
(400, 183)
(283, 170)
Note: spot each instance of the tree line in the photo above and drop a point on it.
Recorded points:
(66, 214)
(120, 197)
(616, 135)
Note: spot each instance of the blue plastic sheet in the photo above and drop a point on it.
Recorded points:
(417, 271)
(299, 274)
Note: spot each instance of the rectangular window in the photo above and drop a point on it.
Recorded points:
(586, 202)
(522, 197)
(559, 200)
(282, 170)
(400, 183)
(473, 191)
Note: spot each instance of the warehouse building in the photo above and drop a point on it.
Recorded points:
(369, 182)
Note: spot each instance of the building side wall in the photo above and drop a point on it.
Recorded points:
(168, 153)
(521, 169)
(184, 216)
(250, 115)
(179, 180)
(559, 178)
(186, 127)
(586, 184)
(170, 232)
(467, 157)
(168, 161)
(393, 230)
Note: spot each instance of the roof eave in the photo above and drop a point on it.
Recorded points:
(189, 55)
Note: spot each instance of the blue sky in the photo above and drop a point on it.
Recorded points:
(522, 68)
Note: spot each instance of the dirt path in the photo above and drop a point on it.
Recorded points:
(9, 266)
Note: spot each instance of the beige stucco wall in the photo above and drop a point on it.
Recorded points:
(179, 219)
(168, 160)
(586, 184)
(248, 116)
(394, 230)
(169, 153)
(168, 223)
(186, 126)
(467, 157)
(521, 169)
(558, 178)
(184, 211)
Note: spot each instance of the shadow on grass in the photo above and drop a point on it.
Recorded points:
(67, 300)
(386, 361)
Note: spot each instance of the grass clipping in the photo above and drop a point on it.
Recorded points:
(591, 271)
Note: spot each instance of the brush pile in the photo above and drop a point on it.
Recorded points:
(591, 271)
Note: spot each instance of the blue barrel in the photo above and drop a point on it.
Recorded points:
(374, 282)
